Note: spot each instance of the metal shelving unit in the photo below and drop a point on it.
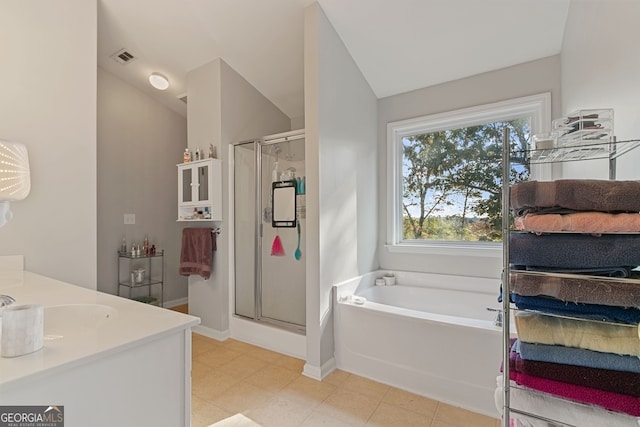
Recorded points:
(153, 265)
(610, 150)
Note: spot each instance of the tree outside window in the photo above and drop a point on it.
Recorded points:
(452, 181)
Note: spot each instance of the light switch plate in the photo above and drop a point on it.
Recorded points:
(129, 218)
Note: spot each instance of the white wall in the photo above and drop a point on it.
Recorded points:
(48, 102)
(342, 193)
(517, 81)
(140, 141)
(600, 69)
(223, 108)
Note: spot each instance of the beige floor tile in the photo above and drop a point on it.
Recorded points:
(212, 385)
(216, 357)
(411, 401)
(242, 347)
(365, 386)
(307, 390)
(451, 416)
(242, 397)
(202, 345)
(291, 363)
(235, 384)
(205, 413)
(272, 378)
(264, 354)
(387, 415)
(349, 406)
(280, 412)
(337, 377)
(236, 420)
(199, 369)
(242, 366)
(321, 419)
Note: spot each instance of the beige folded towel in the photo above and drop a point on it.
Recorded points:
(596, 336)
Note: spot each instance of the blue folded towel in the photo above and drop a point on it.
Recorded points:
(604, 313)
(565, 250)
(578, 357)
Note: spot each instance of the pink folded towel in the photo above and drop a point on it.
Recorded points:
(580, 222)
(196, 255)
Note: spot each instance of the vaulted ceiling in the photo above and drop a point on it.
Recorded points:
(399, 45)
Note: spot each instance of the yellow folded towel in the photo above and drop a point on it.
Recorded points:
(590, 335)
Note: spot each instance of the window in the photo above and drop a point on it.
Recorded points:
(445, 175)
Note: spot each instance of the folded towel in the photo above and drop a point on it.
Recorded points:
(562, 410)
(580, 222)
(615, 272)
(580, 195)
(602, 379)
(578, 357)
(606, 399)
(574, 250)
(597, 336)
(605, 291)
(196, 254)
(603, 313)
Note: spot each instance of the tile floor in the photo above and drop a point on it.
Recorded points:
(235, 384)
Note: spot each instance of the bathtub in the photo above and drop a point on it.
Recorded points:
(429, 334)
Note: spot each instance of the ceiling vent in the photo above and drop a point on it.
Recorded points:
(123, 56)
(183, 98)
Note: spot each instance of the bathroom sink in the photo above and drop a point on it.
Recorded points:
(75, 319)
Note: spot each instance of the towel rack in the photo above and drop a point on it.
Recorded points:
(216, 231)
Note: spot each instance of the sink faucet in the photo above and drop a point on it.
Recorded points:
(6, 300)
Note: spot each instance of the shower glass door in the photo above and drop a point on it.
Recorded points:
(282, 260)
(269, 262)
(245, 232)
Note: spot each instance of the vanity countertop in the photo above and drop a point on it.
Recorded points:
(81, 339)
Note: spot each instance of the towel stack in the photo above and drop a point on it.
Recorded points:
(578, 295)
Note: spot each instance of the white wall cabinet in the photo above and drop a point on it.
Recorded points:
(200, 190)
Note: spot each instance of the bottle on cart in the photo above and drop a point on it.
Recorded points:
(123, 245)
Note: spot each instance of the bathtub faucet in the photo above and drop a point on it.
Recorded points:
(498, 321)
(6, 300)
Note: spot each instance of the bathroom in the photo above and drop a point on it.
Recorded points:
(72, 234)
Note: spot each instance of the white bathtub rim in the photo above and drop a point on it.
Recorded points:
(421, 316)
(485, 285)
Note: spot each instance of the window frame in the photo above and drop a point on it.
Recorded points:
(537, 106)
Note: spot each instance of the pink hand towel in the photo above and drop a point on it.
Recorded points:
(196, 255)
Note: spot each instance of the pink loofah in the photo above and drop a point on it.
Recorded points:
(276, 248)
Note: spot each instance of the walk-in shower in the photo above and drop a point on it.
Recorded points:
(270, 230)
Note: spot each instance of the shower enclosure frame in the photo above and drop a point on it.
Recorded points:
(258, 317)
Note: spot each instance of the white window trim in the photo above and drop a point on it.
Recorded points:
(538, 106)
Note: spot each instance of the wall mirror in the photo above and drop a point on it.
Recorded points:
(283, 200)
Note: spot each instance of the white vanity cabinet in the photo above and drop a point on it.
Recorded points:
(200, 190)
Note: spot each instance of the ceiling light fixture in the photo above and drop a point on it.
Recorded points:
(158, 81)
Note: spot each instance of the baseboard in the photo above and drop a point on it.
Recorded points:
(319, 373)
(211, 333)
(175, 302)
(269, 337)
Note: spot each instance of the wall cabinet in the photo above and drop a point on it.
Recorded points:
(200, 190)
